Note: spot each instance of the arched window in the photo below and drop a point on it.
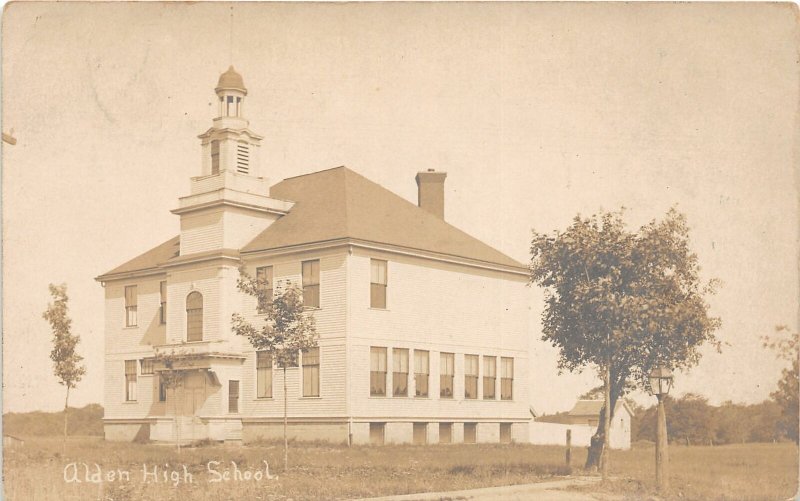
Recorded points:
(194, 317)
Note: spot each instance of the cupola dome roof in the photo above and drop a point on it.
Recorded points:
(231, 80)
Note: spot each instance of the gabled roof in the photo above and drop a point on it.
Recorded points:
(150, 259)
(339, 203)
(593, 407)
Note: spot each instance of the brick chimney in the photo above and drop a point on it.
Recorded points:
(430, 191)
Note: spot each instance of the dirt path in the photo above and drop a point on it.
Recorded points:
(544, 491)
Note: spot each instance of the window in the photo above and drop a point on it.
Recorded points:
(242, 159)
(470, 433)
(506, 378)
(311, 372)
(231, 107)
(489, 377)
(311, 283)
(147, 365)
(445, 433)
(419, 434)
(162, 312)
(263, 374)
(470, 376)
(376, 433)
(130, 380)
(421, 372)
(446, 373)
(194, 317)
(399, 372)
(215, 157)
(233, 396)
(377, 285)
(265, 287)
(377, 372)
(162, 390)
(505, 433)
(130, 305)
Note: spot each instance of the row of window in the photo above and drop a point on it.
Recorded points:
(310, 283)
(265, 280)
(400, 374)
(377, 432)
(310, 374)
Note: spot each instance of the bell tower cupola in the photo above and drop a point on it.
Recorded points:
(231, 92)
(229, 202)
(229, 145)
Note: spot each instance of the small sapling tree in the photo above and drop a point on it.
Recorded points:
(288, 329)
(67, 365)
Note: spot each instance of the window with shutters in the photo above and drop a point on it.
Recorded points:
(263, 374)
(377, 371)
(194, 317)
(311, 284)
(242, 158)
(489, 377)
(421, 372)
(130, 380)
(311, 372)
(215, 157)
(131, 307)
(162, 311)
(377, 285)
(506, 378)
(399, 372)
(470, 376)
(447, 362)
(265, 287)
(233, 396)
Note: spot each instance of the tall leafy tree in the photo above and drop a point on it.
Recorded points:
(288, 329)
(67, 365)
(622, 302)
(787, 347)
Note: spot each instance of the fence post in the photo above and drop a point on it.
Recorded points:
(569, 448)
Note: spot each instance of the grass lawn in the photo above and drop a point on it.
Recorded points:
(35, 470)
(727, 472)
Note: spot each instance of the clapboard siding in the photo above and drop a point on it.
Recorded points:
(148, 331)
(201, 232)
(330, 321)
(438, 307)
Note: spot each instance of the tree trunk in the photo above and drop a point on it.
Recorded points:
(285, 424)
(66, 411)
(606, 422)
(593, 459)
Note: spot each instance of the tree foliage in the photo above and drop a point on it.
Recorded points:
(288, 329)
(67, 366)
(622, 301)
(786, 345)
(692, 420)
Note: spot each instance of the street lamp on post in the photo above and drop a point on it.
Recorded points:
(660, 384)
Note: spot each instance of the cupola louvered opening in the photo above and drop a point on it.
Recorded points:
(242, 159)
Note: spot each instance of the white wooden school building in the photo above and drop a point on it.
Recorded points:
(423, 329)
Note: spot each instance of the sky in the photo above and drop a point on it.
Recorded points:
(537, 112)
